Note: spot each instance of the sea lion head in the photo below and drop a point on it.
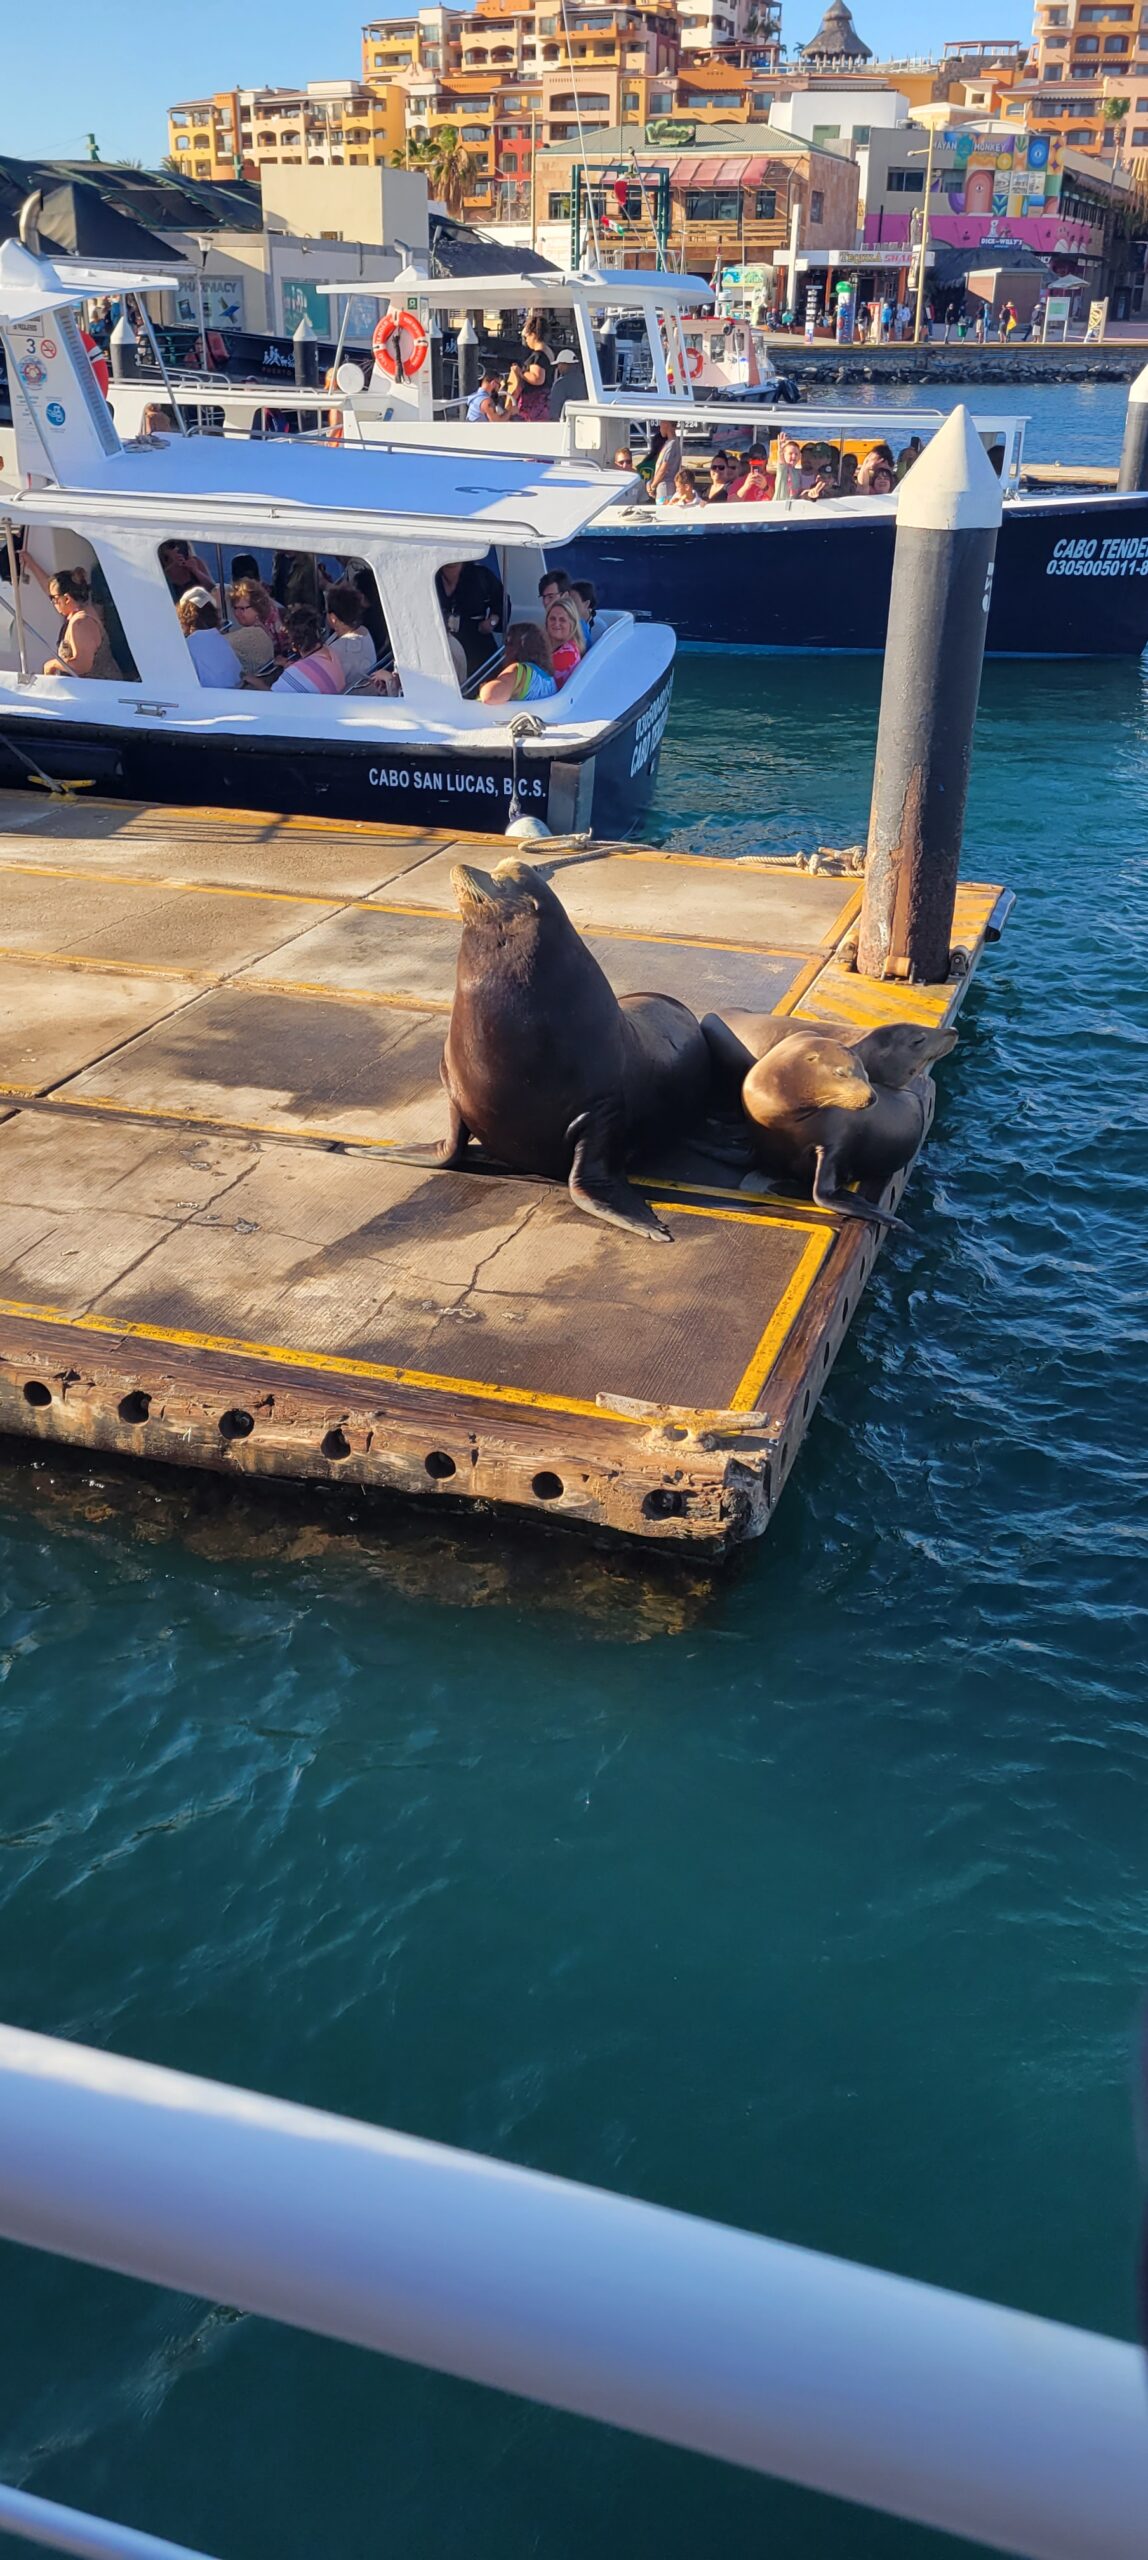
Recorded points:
(512, 899)
(899, 1051)
(806, 1073)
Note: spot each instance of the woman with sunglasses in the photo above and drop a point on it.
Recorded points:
(717, 494)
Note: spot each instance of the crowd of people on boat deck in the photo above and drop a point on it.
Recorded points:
(795, 470)
(311, 627)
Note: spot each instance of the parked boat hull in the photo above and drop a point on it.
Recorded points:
(1071, 577)
(604, 785)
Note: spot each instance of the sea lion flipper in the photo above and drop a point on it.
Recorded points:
(850, 1204)
(729, 1055)
(597, 1183)
(451, 1150)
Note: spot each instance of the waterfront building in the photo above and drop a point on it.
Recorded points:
(327, 124)
(731, 201)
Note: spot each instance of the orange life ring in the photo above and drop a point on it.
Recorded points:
(392, 359)
(695, 358)
(99, 363)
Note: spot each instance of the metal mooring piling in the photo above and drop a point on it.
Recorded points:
(468, 358)
(305, 350)
(948, 519)
(1133, 472)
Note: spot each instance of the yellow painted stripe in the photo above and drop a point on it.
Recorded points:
(385, 1373)
(203, 1119)
(781, 1322)
(240, 979)
(184, 888)
(107, 968)
(402, 1002)
(339, 903)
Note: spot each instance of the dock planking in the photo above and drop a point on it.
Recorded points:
(222, 1029)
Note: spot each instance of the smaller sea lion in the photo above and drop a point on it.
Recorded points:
(545, 1065)
(891, 1056)
(843, 1113)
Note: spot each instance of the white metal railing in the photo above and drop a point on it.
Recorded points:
(1013, 2431)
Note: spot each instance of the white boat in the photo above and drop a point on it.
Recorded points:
(75, 495)
(784, 577)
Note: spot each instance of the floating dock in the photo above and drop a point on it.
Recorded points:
(220, 1029)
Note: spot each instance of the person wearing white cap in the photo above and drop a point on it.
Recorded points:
(216, 664)
(569, 381)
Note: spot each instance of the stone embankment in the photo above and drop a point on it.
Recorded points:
(1008, 369)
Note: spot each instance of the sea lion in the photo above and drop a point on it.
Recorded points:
(844, 1113)
(545, 1065)
(891, 1055)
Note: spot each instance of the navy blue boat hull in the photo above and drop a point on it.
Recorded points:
(1071, 578)
(605, 786)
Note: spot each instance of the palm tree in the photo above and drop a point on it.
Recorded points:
(449, 167)
(1114, 111)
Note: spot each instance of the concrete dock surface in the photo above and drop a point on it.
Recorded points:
(218, 1030)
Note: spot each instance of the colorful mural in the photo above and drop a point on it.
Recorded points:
(997, 188)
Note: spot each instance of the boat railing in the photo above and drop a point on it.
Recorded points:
(1014, 2431)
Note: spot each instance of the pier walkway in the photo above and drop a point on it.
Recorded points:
(220, 1029)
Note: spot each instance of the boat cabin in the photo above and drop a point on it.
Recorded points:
(151, 544)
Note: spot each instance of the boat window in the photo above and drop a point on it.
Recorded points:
(64, 620)
(305, 622)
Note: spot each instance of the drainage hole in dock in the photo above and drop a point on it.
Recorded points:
(134, 1407)
(547, 1487)
(661, 1504)
(36, 1392)
(335, 1445)
(235, 1425)
(440, 1465)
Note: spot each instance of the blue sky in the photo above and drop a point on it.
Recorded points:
(113, 67)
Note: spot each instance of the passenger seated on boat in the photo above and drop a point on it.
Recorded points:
(553, 584)
(159, 420)
(623, 459)
(847, 476)
(685, 493)
(82, 644)
(215, 664)
(183, 568)
(473, 607)
(346, 638)
(823, 481)
(586, 598)
(875, 474)
(315, 667)
(907, 456)
(717, 494)
(564, 633)
(790, 478)
(525, 674)
(251, 635)
(759, 482)
(253, 605)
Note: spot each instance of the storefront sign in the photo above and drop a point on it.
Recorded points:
(665, 133)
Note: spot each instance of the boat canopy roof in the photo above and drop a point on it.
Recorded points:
(29, 285)
(624, 288)
(407, 494)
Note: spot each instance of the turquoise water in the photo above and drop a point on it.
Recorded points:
(813, 1899)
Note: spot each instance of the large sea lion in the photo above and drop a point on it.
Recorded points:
(545, 1065)
(843, 1113)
